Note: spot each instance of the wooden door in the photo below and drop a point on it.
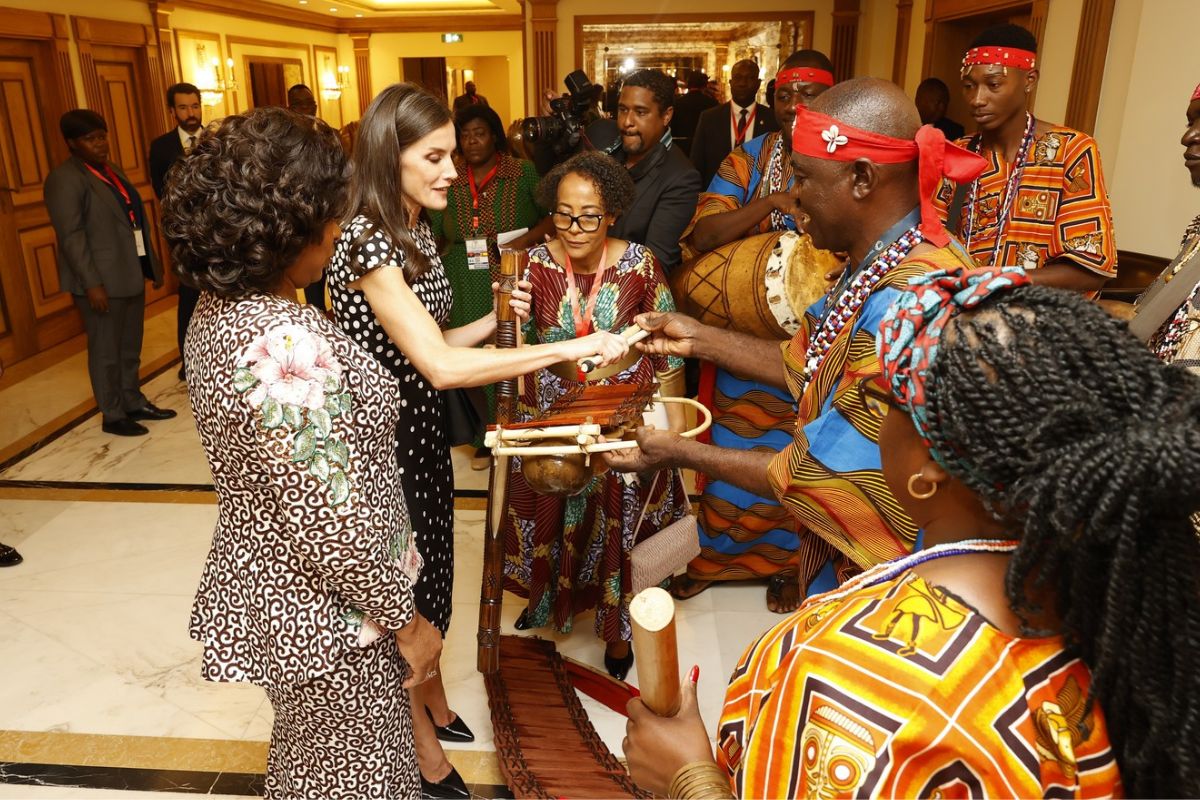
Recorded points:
(124, 100)
(35, 313)
(267, 86)
(429, 73)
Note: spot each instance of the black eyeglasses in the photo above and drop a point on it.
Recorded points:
(588, 223)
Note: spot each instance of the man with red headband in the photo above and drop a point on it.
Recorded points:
(866, 172)
(1042, 203)
(745, 536)
(1168, 314)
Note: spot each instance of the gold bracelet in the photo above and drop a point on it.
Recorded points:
(701, 780)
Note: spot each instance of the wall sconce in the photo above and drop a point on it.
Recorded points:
(213, 84)
(331, 86)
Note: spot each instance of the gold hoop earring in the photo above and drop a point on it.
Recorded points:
(921, 495)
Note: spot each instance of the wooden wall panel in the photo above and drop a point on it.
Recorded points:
(41, 265)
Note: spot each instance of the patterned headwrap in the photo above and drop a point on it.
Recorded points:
(821, 136)
(912, 330)
(1196, 92)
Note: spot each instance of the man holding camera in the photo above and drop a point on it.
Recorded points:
(667, 185)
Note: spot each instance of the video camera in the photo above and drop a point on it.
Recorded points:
(562, 130)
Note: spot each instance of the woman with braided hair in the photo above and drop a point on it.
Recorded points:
(1045, 641)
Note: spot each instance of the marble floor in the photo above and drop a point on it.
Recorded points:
(100, 688)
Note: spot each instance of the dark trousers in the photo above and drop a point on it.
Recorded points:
(188, 297)
(114, 343)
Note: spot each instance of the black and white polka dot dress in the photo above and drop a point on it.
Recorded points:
(426, 474)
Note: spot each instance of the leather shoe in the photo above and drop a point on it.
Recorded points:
(456, 731)
(151, 411)
(450, 787)
(619, 667)
(523, 623)
(9, 557)
(125, 427)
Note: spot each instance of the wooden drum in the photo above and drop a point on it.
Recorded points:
(760, 285)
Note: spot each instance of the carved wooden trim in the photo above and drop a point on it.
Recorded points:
(1091, 47)
(544, 16)
(478, 21)
(362, 69)
(845, 38)
(161, 14)
(900, 50)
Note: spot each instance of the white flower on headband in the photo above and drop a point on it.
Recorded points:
(834, 138)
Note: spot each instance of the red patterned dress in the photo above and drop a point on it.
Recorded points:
(571, 555)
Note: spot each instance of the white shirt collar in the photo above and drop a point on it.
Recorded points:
(737, 110)
(184, 136)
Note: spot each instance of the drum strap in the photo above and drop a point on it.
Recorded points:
(954, 211)
(1168, 292)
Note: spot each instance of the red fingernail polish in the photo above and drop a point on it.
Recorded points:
(694, 673)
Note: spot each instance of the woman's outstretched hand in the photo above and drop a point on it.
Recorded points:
(611, 348)
(657, 747)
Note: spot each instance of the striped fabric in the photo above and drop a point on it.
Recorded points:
(899, 689)
(1061, 209)
(829, 476)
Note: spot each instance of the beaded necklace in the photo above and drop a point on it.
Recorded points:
(1010, 189)
(850, 300)
(775, 180)
(880, 573)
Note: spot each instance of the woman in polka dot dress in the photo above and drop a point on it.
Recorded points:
(391, 295)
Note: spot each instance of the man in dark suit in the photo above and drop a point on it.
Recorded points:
(104, 260)
(933, 98)
(183, 101)
(688, 109)
(731, 124)
(666, 185)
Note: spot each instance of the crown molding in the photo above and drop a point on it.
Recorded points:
(466, 20)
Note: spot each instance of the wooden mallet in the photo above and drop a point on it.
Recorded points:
(652, 613)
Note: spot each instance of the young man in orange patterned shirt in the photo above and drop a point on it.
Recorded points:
(1042, 203)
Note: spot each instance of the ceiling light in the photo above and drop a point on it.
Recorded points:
(333, 10)
(303, 2)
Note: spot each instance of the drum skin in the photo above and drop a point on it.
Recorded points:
(760, 285)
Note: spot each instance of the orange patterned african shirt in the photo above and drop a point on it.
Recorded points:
(899, 689)
(1061, 209)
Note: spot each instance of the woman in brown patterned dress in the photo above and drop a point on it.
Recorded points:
(308, 586)
(391, 296)
(571, 555)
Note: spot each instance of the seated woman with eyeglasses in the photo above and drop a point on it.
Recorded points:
(583, 281)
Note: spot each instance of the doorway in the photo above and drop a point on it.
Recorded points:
(609, 47)
(950, 32)
(428, 73)
(270, 78)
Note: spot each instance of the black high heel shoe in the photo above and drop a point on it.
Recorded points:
(522, 623)
(456, 731)
(450, 787)
(618, 667)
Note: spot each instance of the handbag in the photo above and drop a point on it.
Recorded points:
(466, 410)
(661, 554)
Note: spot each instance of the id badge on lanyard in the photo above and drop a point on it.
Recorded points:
(477, 253)
(139, 241)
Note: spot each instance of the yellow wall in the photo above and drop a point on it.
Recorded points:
(1153, 199)
(491, 76)
(876, 40)
(279, 41)
(388, 48)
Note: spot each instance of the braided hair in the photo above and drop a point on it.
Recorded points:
(1089, 448)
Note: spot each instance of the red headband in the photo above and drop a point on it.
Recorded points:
(1004, 56)
(820, 136)
(1196, 92)
(803, 75)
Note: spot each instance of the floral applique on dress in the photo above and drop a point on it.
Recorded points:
(292, 378)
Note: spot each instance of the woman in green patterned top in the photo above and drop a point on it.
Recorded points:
(494, 193)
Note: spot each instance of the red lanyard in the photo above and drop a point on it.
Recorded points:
(740, 137)
(583, 324)
(475, 190)
(114, 182)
